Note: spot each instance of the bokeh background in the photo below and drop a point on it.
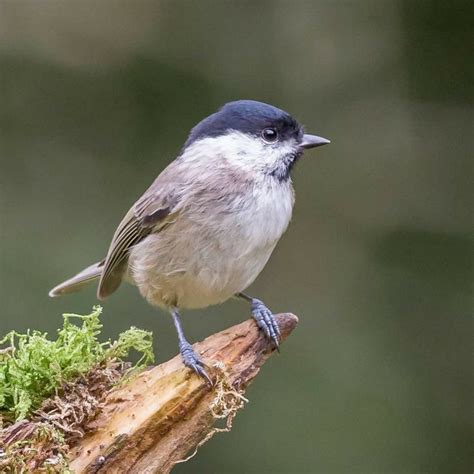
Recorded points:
(97, 97)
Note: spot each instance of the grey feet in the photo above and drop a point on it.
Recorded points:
(266, 321)
(193, 361)
(189, 356)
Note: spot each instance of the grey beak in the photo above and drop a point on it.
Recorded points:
(312, 141)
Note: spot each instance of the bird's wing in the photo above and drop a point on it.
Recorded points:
(152, 212)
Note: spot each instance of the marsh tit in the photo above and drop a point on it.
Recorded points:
(206, 227)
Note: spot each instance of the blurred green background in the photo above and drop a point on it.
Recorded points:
(97, 97)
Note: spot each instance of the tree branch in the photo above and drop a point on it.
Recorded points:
(164, 414)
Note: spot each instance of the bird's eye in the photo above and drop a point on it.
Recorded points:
(270, 135)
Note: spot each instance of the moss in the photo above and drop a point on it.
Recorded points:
(60, 386)
(34, 447)
(33, 367)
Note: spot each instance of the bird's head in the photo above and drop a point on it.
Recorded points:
(255, 136)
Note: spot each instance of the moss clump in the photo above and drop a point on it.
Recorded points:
(33, 447)
(33, 367)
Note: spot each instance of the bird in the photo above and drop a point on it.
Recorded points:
(206, 227)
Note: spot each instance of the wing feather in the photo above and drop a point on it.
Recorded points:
(148, 215)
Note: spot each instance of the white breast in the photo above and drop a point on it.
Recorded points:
(197, 262)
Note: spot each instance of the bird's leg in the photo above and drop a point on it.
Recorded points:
(189, 356)
(264, 318)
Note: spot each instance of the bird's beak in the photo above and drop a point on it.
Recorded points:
(312, 141)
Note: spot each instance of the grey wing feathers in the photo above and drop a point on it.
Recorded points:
(144, 218)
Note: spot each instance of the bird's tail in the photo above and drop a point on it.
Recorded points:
(76, 283)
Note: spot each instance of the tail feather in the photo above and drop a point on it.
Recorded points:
(78, 281)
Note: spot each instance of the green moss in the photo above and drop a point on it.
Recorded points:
(32, 367)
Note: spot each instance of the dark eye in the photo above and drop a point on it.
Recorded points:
(270, 135)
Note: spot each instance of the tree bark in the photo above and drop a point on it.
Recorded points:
(164, 414)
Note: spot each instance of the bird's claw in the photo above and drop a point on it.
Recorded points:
(194, 362)
(266, 322)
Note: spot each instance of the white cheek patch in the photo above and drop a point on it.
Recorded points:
(242, 151)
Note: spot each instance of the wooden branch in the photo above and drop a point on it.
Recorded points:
(167, 412)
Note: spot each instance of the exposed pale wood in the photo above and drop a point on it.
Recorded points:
(161, 416)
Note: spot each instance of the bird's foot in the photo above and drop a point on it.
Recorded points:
(266, 322)
(193, 361)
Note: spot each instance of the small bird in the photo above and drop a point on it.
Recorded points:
(206, 227)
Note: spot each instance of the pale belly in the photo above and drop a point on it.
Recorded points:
(194, 264)
(196, 279)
